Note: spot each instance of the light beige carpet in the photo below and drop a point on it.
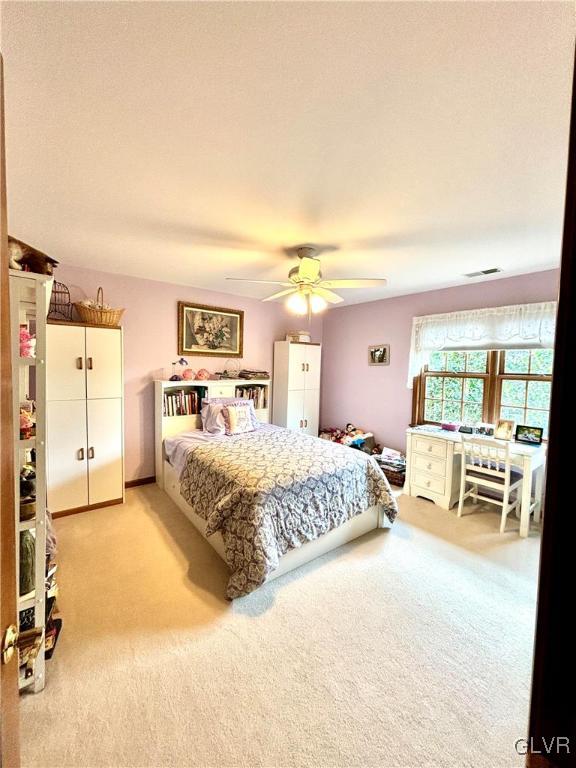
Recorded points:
(404, 649)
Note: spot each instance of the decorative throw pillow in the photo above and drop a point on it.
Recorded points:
(213, 417)
(237, 419)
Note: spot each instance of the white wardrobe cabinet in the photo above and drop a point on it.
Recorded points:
(297, 386)
(84, 416)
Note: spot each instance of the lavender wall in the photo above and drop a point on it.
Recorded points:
(150, 343)
(377, 398)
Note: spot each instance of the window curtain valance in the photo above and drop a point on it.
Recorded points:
(519, 326)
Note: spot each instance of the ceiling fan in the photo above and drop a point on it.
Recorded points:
(307, 292)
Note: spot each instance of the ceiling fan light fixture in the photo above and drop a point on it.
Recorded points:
(297, 303)
(317, 303)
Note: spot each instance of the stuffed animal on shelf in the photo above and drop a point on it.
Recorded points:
(25, 257)
(202, 375)
(27, 342)
(26, 424)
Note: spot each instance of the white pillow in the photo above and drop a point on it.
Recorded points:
(237, 418)
(213, 417)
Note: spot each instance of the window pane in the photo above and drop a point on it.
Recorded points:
(452, 388)
(433, 410)
(537, 419)
(476, 362)
(434, 387)
(437, 361)
(474, 390)
(541, 362)
(513, 392)
(472, 412)
(456, 362)
(516, 414)
(517, 361)
(452, 410)
(539, 394)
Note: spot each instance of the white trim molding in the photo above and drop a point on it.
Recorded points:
(519, 326)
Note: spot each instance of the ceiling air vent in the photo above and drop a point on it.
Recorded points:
(482, 272)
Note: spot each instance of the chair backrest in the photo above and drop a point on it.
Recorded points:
(487, 456)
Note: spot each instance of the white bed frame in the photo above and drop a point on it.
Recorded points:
(372, 518)
(167, 479)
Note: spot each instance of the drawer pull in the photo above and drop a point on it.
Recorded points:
(429, 465)
(89, 363)
(429, 449)
(427, 483)
(80, 454)
(79, 363)
(91, 453)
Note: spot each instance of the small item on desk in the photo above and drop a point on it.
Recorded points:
(529, 435)
(504, 429)
(485, 429)
(450, 426)
(466, 429)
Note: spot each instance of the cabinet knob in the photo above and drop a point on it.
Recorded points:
(80, 454)
(307, 366)
(303, 366)
(427, 483)
(91, 453)
(79, 363)
(89, 363)
(429, 449)
(429, 465)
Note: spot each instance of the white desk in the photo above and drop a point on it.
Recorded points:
(433, 469)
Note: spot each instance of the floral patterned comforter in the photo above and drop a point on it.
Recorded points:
(271, 490)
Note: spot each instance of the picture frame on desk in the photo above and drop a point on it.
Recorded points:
(529, 435)
(504, 429)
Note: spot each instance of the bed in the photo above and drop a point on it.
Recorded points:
(272, 499)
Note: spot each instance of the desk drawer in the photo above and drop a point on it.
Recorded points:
(430, 464)
(429, 447)
(428, 482)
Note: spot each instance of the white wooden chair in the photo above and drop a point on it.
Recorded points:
(486, 464)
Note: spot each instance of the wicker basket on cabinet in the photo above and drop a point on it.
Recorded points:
(98, 315)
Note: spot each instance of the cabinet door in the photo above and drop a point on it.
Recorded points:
(311, 411)
(105, 472)
(295, 409)
(296, 366)
(66, 455)
(65, 362)
(103, 362)
(313, 353)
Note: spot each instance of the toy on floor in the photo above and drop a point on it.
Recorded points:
(352, 436)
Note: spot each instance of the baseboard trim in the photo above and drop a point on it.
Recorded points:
(85, 508)
(140, 481)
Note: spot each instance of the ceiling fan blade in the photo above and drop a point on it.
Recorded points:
(309, 269)
(331, 298)
(266, 282)
(360, 282)
(281, 293)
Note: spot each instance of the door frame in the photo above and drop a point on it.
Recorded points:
(9, 696)
(553, 702)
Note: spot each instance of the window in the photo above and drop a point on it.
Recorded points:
(471, 386)
(525, 384)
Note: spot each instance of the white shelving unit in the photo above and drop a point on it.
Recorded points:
(167, 425)
(29, 302)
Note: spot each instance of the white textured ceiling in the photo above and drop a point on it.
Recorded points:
(191, 141)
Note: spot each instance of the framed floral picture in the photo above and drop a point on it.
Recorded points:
(209, 331)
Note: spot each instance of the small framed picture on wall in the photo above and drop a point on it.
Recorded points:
(379, 354)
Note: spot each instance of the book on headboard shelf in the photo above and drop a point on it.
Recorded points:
(183, 402)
